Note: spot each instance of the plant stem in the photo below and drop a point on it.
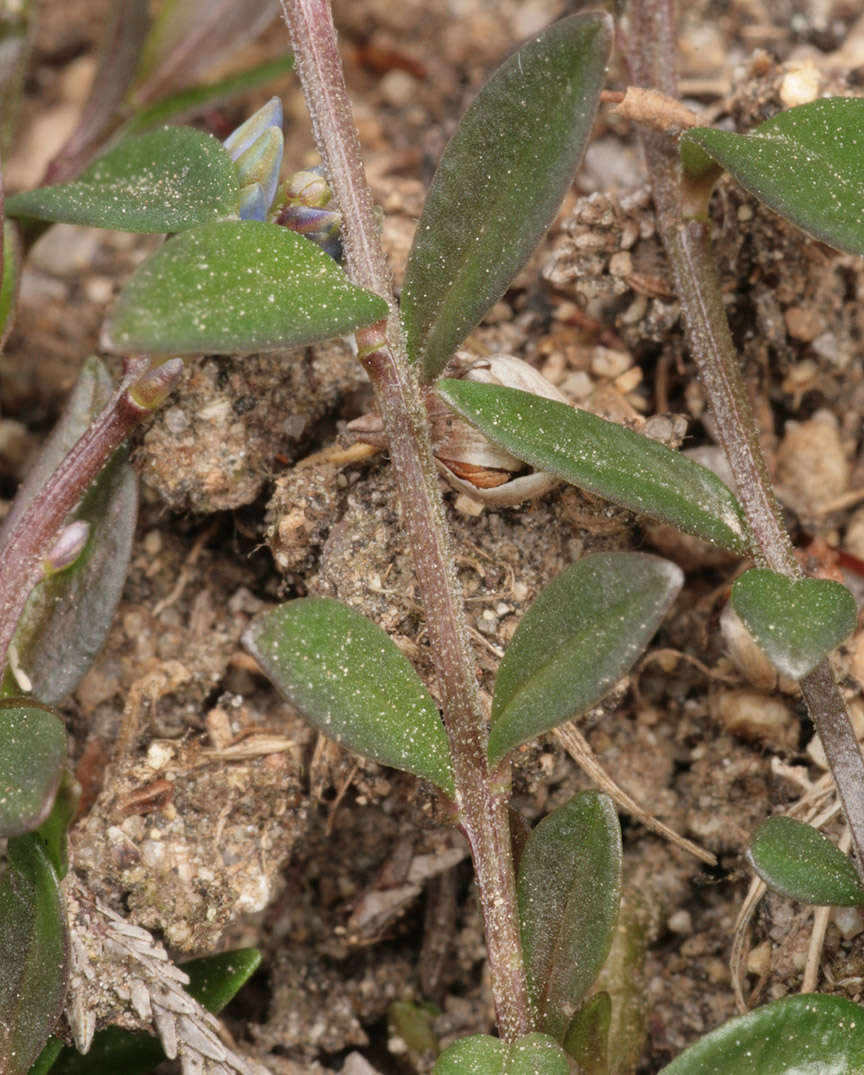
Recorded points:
(687, 242)
(32, 534)
(481, 797)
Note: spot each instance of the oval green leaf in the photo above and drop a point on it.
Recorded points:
(802, 863)
(795, 622)
(32, 752)
(805, 164)
(33, 955)
(604, 458)
(500, 183)
(793, 1036)
(163, 181)
(569, 891)
(234, 287)
(534, 1054)
(581, 635)
(349, 680)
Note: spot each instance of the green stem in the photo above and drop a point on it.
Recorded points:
(481, 799)
(686, 239)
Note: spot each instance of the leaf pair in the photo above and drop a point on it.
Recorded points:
(497, 189)
(350, 681)
(223, 286)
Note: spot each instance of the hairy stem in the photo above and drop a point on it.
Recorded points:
(686, 239)
(481, 800)
(31, 535)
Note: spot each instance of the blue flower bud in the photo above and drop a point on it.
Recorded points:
(256, 150)
(240, 139)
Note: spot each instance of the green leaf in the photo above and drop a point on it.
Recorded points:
(237, 286)
(216, 980)
(500, 183)
(10, 278)
(413, 1023)
(348, 679)
(569, 890)
(604, 458)
(163, 181)
(535, 1054)
(32, 752)
(800, 862)
(587, 1037)
(805, 164)
(796, 622)
(113, 1050)
(32, 954)
(793, 1036)
(581, 635)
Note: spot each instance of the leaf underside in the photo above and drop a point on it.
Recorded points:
(500, 183)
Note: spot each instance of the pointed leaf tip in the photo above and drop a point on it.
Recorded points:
(164, 181)
(796, 622)
(500, 183)
(349, 680)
